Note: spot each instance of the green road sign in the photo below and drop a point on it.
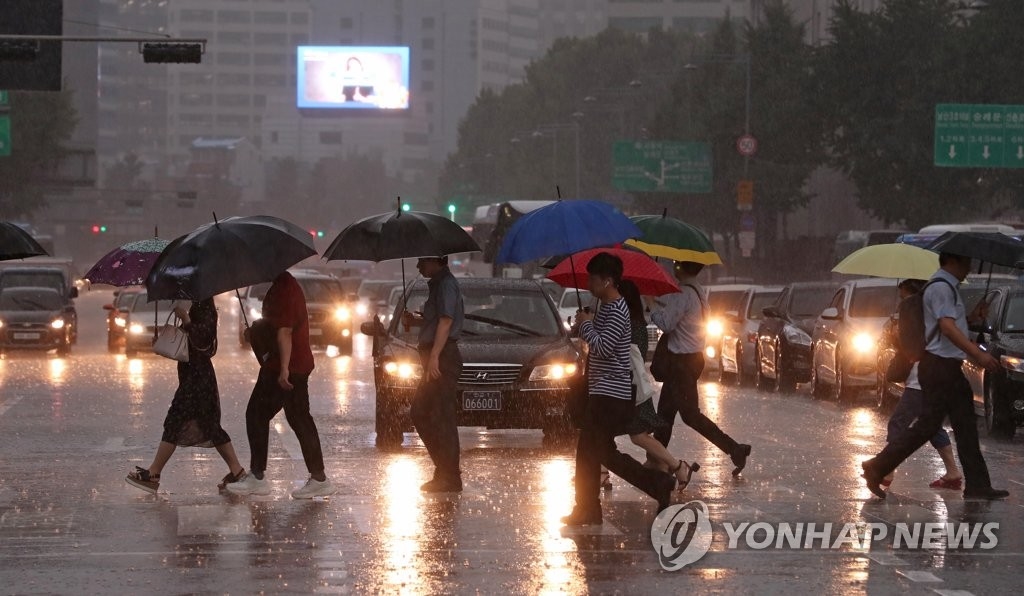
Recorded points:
(4, 98)
(979, 136)
(662, 166)
(5, 136)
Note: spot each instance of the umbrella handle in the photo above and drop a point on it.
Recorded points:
(572, 267)
(241, 308)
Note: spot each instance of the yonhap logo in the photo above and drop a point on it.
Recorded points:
(681, 534)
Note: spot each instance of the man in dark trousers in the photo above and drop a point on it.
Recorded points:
(433, 406)
(946, 389)
(682, 316)
(283, 382)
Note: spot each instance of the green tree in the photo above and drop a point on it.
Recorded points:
(124, 173)
(41, 123)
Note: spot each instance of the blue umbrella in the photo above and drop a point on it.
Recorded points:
(565, 228)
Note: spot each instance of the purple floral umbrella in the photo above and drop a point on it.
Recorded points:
(127, 265)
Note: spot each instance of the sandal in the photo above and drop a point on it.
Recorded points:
(231, 479)
(690, 469)
(606, 481)
(142, 479)
(952, 484)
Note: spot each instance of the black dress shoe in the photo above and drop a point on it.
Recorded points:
(739, 458)
(991, 494)
(579, 517)
(442, 485)
(873, 479)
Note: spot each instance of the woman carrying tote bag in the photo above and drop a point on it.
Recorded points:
(193, 419)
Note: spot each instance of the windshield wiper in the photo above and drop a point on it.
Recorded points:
(504, 325)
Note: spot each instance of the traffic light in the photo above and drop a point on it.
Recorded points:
(406, 207)
(99, 229)
(451, 208)
(316, 233)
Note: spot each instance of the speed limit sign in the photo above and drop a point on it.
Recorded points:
(746, 145)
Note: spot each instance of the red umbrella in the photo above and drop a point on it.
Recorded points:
(636, 267)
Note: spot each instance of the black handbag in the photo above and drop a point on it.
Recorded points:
(262, 336)
(661, 362)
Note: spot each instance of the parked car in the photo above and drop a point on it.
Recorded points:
(844, 352)
(784, 335)
(117, 313)
(888, 393)
(142, 321)
(518, 360)
(55, 277)
(373, 297)
(739, 340)
(33, 318)
(999, 397)
(721, 299)
(568, 304)
(332, 313)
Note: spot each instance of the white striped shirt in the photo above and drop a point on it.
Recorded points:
(609, 371)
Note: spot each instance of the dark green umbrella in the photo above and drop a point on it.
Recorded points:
(671, 238)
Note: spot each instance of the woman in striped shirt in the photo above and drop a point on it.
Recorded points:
(611, 401)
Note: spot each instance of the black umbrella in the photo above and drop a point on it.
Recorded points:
(16, 243)
(991, 247)
(400, 235)
(227, 255)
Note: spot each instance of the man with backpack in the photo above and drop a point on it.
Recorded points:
(945, 387)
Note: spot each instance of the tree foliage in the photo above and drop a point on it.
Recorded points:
(41, 123)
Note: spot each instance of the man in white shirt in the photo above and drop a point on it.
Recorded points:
(682, 316)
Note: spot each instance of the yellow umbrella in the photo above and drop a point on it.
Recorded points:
(893, 261)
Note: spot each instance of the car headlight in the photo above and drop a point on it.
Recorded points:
(715, 328)
(796, 336)
(405, 371)
(136, 329)
(553, 372)
(120, 322)
(1014, 363)
(255, 314)
(362, 309)
(710, 353)
(1, 324)
(342, 313)
(57, 324)
(863, 343)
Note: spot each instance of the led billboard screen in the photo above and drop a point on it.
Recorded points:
(353, 78)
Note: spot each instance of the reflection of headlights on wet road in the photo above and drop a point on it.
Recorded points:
(715, 328)
(863, 343)
(136, 329)
(57, 323)
(255, 314)
(552, 372)
(709, 352)
(120, 322)
(1013, 363)
(406, 371)
(342, 313)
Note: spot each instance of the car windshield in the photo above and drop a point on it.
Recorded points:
(124, 300)
(809, 302)
(142, 306)
(758, 302)
(724, 300)
(30, 300)
(36, 279)
(569, 299)
(1014, 319)
(376, 291)
(876, 301)
(320, 291)
(492, 312)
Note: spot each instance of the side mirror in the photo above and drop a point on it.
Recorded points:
(73, 292)
(372, 328)
(108, 307)
(831, 314)
(773, 311)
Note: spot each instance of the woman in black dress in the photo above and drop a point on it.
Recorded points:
(193, 419)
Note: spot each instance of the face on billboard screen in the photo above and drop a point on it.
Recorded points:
(353, 77)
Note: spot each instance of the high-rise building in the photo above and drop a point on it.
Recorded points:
(250, 57)
(814, 14)
(695, 16)
(571, 18)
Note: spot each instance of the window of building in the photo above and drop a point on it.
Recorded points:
(345, 23)
(269, 59)
(233, 78)
(270, 80)
(416, 138)
(429, 107)
(266, 39)
(300, 39)
(196, 119)
(238, 38)
(233, 100)
(266, 17)
(192, 79)
(192, 100)
(233, 16)
(427, 23)
(428, 43)
(259, 101)
(233, 58)
(300, 18)
(240, 120)
(427, 86)
(427, 64)
(273, 136)
(330, 137)
(196, 16)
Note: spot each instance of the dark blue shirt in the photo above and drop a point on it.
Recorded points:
(444, 299)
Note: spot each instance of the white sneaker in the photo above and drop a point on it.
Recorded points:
(250, 485)
(314, 488)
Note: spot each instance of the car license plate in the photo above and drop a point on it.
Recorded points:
(481, 400)
(26, 336)
(316, 332)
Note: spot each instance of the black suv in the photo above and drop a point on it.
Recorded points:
(55, 278)
(518, 360)
(784, 335)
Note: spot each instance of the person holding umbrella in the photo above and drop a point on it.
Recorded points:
(283, 383)
(610, 401)
(944, 384)
(681, 317)
(433, 407)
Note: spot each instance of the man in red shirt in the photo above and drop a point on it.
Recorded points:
(284, 383)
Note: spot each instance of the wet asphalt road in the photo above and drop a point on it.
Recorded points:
(70, 429)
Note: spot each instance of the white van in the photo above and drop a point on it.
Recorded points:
(971, 227)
